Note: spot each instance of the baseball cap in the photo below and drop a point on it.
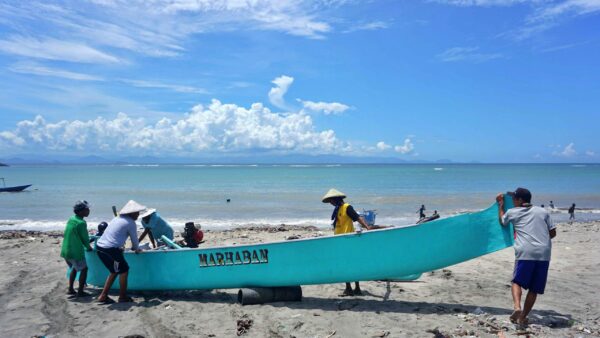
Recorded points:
(81, 205)
(521, 193)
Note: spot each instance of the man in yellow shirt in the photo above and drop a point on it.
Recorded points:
(343, 218)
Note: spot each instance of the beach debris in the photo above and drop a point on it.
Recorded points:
(244, 325)
(331, 334)
(447, 273)
(438, 334)
(292, 237)
(244, 236)
(478, 311)
(298, 325)
(381, 334)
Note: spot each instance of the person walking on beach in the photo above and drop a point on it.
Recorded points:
(421, 211)
(534, 230)
(110, 250)
(552, 204)
(155, 227)
(343, 218)
(76, 239)
(572, 212)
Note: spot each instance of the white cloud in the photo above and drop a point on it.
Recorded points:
(556, 9)
(369, 26)
(568, 151)
(483, 3)
(214, 128)
(276, 93)
(53, 49)
(590, 153)
(383, 146)
(325, 107)
(544, 15)
(36, 69)
(466, 54)
(173, 87)
(405, 148)
(70, 31)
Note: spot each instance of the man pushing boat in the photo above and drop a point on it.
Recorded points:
(343, 218)
(534, 230)
(110, 249)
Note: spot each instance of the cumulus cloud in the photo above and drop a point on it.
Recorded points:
(325, 107)
(405, 148)
(590, 153)
(383, 146)
(217, 127)
(567, 151)
(277, 93)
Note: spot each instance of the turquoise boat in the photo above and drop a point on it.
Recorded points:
(371, 255)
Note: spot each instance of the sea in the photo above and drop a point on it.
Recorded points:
(225, 196)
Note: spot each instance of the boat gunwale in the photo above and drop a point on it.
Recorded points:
(355, 233)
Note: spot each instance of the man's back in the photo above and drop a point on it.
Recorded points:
(532, 226)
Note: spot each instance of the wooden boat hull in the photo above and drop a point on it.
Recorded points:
(372, 255)
(15, 189)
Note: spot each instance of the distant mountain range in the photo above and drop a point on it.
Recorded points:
(286, 159)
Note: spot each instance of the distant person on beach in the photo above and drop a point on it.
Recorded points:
(110, 249)
(542, 206)
(421, 211)
(155, 227)
(534, 230)
(343, 218)
(551, 204)
(76, 239)
(572, 212)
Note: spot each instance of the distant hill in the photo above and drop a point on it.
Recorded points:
(3, 165)
(25, 159)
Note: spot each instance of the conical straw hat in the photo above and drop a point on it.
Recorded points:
(331, 194)
(131, 207)
(147, 212)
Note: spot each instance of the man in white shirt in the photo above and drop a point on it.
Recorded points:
(534, 230)
(110, 250)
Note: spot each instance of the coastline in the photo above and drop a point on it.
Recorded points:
(471, 298)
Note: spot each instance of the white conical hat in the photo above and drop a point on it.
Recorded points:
(331, 194)
(147, 212)
(131, 207)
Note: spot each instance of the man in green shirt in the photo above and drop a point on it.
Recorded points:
(76, 239)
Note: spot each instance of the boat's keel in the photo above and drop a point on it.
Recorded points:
(251, 296)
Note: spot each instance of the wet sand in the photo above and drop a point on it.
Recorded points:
(468, 299)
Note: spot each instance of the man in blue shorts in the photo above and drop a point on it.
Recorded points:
(534, 230)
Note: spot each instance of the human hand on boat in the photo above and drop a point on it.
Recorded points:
(500, 199)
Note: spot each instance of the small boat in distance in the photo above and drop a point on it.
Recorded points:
(12, 189)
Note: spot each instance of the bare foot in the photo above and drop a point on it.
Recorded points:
(515, 316)
(347, 293)
(357, 292)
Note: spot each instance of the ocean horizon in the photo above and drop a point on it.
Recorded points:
(273, 194)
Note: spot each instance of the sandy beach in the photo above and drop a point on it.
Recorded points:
(468, 299)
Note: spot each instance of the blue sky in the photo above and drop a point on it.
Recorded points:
(482, 80)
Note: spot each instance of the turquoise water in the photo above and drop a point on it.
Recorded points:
(290, 194)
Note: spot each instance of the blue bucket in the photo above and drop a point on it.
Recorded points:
(369, 216)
